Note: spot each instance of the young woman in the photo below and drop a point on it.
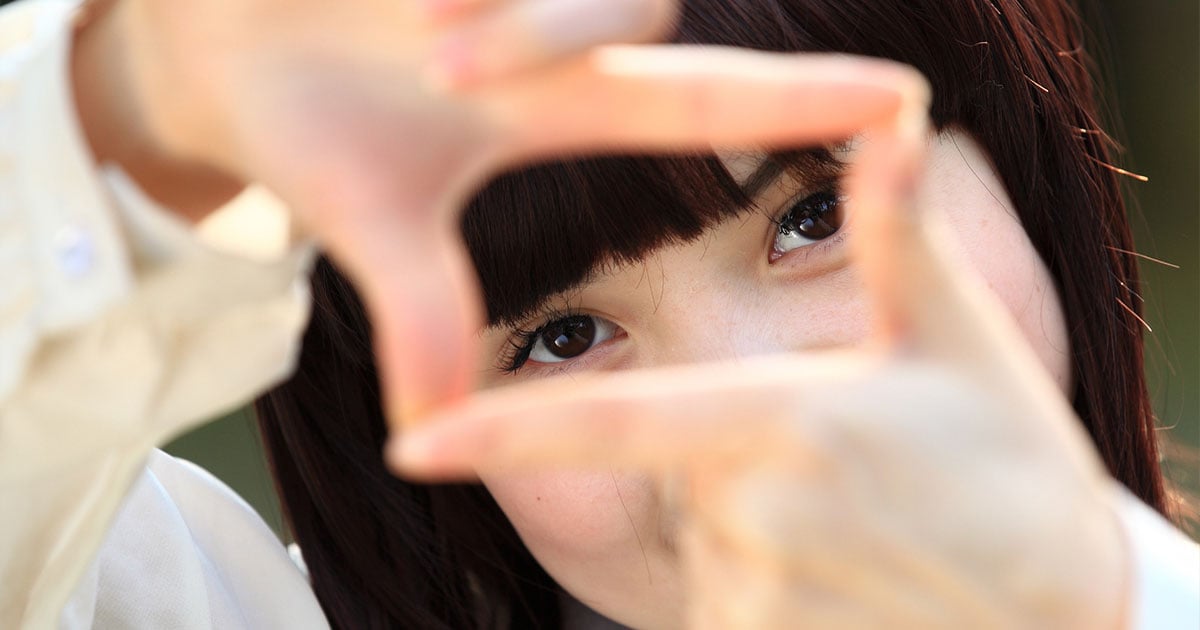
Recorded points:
(910, 454)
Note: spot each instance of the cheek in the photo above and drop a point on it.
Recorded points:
(559, 512)
(1016, 274)
(600, 535)
(962, 185)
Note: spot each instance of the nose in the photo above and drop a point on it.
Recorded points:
(712, 318)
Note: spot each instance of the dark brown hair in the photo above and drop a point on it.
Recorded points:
(385, 553)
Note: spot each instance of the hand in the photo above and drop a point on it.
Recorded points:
(376, 119)
(935, 479)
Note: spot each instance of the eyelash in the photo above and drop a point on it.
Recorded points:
(829, 186)
(521, 340)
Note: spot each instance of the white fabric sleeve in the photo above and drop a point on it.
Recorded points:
(119, 326)
(186, 553)
(1165, 572)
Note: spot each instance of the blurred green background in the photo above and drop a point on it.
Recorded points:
(1153, 64)
(1151, 60)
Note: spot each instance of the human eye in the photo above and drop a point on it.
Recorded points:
(561, 338)
(809, 220)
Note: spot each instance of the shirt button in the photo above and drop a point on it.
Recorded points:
(75, 251)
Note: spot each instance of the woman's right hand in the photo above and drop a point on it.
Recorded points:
(343, 110)
(374, 120)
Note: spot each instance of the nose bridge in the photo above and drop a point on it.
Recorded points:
(711, 318)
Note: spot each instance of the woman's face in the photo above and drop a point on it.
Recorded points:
(771, 281)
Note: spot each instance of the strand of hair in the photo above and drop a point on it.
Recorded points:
(1135, 315)
(1143, 257)
(1036, 84)
(1135, 294)
(1118, 170)
(1084, 133)
(1093, 132)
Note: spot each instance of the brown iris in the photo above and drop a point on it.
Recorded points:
(816, 217)
(569, 337)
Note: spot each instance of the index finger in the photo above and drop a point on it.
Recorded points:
(672, 98)
(657, 419)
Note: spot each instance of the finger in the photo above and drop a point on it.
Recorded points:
(660, 419)
(424, 309)
(890, 228)
(668, 98)
(926, 299)
(398, 241)
(517, 35)
(411, 271)
(846, 556)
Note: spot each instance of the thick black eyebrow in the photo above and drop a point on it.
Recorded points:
(764, 175)
(815, 164)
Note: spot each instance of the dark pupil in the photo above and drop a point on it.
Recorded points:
(569, 337)
(816, 217)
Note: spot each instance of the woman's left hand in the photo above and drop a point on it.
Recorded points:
(937, 478)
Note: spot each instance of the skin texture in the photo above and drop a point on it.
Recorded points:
(608, 536)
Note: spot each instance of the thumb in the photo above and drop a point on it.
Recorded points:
(921, 300)
(392, 225)
(421, 295)
(926, 297)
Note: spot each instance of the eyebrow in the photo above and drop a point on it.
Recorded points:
(763, 175)
(812, 165)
